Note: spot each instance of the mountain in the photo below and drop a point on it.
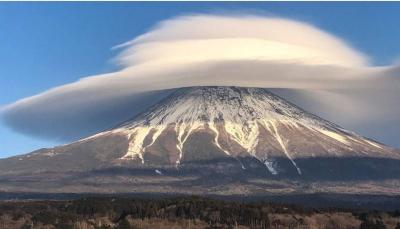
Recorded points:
(202, 137)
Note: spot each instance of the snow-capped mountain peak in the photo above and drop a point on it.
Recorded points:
(239, 122)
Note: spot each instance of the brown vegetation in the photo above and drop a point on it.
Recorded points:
(184, 212)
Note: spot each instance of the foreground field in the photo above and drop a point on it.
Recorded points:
(183, 212)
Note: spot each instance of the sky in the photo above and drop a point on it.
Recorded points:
(44, 45)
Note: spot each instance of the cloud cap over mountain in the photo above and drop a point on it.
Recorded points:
(218, 50)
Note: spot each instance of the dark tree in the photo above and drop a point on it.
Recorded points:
(369, 224)
(124, 224)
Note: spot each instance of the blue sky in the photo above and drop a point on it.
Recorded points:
(43, 45)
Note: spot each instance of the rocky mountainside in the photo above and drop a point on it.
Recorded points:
(222, 131)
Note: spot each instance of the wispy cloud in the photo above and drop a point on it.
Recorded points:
(329, 77)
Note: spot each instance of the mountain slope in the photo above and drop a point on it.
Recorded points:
(249, 121)
(235, 132)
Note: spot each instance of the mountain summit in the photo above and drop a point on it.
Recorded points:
(229, 131)
(202, 123)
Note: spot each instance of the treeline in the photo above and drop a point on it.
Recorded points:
(121, 212)
(212, 211)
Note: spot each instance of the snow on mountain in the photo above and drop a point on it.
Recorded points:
(242, 122)
(215, 140)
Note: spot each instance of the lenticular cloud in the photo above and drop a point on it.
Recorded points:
(298, 61)
(209, 38)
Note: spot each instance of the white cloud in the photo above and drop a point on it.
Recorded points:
(239, 37)
(207, 50)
